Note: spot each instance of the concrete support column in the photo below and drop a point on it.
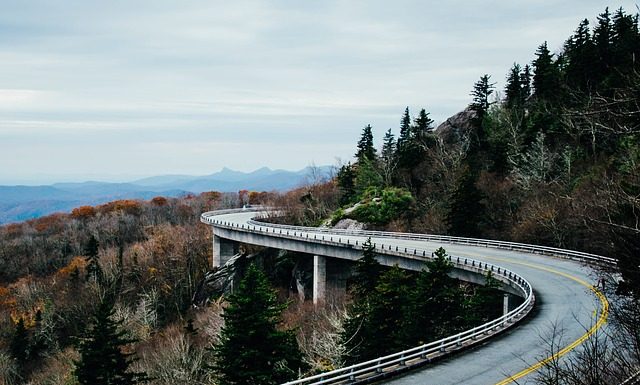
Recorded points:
(319, 278)
(505, 304)
(223, 250)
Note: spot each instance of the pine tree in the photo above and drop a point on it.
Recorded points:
(366, 149)
(345, 178)
(102, 360)
(368, 176)
(356, 327)
(375, 325)
(413, 139)
(20, 343)
(580, 57)
(482, 91)
(546, 78)
(465, 208)
(385, 327)
(367, 271)
(435, 303)
(625, 45)
(405, 132)
(603, 39)
(486, 302)
(513, 92)
(388, 157)
(251, 349)
(423, 125)
(94, 271)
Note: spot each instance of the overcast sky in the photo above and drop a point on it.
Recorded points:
(112, 90)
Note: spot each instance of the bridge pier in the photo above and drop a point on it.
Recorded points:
(319, 279)
(505, 304)
(223, 250)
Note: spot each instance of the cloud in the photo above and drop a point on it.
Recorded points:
(119, 75)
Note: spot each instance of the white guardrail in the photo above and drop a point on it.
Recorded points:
(424, 353)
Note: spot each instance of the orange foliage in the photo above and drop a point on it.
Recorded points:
(83, 212)
(128, 206)
(14, 229)
(78, 263)
(263, 197)
(28, 316)
(159, 201)
(5, 297)
(211, 196)
(243, 196)
(51, 222)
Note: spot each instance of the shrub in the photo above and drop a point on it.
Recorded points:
(380, 207)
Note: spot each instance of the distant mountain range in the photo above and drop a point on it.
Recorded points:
(18, 203)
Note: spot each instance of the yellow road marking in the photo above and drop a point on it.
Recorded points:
(603, 318)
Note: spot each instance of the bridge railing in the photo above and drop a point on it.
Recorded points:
(400, 359)
(553, 251)
(446, 345)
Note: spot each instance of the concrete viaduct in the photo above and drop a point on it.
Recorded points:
(559, 278)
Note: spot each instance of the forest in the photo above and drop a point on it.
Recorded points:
(553, 159)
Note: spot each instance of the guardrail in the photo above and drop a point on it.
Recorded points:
(447, 345)
(553, 251)
(634, 379)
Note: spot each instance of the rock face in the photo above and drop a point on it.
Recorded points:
(220, 280)
(349, 224)
(457, 127)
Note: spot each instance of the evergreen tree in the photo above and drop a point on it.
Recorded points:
(423, 125)
(625, 45)
(368, 176)
(384, 326)
(366, 149)
(377, 316)
(405, 132)
(465, 208)
(102, 360)
(482, 91)
(388, 157)
(413, 139)
(388, 146)
(580, 57)
(39, 341)
(356, 326)
(94, 271)
(345, 178)
(603, 39)
(435, 302)
(251, 349)
(486, 303)
(546, 77)
(20, 343)
(513, 92)
(367, 271)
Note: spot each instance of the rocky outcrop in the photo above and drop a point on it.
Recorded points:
(219, 281)
(349, 224)
(456, 128)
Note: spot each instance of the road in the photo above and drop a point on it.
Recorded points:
(565, 302)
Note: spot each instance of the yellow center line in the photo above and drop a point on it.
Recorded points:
(601, 320)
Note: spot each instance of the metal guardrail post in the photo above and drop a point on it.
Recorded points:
(422, 351)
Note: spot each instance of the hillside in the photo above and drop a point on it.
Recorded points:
(18, 203)
(553, 160)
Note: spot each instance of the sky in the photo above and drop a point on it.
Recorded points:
(115, 90)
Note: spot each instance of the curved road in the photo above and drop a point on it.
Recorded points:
(565, 300)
